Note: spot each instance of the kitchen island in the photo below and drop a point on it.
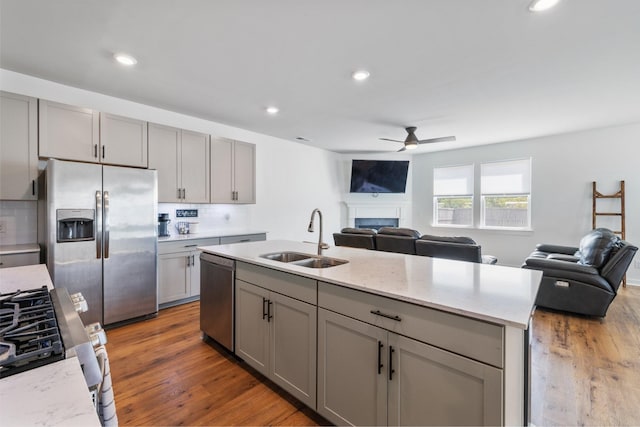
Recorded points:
(390, 338)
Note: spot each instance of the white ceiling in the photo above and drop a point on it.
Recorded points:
(484, 70)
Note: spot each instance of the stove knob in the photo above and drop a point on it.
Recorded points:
(79, 303)
(97, 335)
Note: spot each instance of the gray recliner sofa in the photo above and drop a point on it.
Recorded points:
(582, 279)
(356, 238)
(458, 248)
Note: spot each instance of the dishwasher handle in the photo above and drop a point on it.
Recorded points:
(218, 261)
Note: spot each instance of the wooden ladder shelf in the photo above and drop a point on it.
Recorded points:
(618, 195)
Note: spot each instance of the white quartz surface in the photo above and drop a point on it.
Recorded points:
(205, 234)
(23, 278)
(51, 395)
(498, 294)
(19, 249)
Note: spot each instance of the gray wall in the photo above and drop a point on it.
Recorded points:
(563, 167)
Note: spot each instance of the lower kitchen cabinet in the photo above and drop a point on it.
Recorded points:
(276, 335)
(178, 276)
(370, 376)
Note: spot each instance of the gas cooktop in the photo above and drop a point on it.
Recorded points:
(29, 333)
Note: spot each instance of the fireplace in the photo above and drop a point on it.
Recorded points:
(375, 223)
(376, 215)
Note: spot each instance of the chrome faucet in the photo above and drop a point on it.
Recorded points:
(321, 245)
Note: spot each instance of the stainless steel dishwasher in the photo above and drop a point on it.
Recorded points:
(217, 296)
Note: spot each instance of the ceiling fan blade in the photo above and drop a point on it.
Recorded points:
(402, 149)
(387, 139)
(441, 139)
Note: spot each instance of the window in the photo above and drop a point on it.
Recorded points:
(505, 194)
(453, 196)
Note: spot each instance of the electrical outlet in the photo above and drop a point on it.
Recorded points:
(3, 227)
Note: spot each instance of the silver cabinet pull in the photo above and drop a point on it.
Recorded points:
(95, 150)
(103, 151)
(184, 193)
(188, 261)
(106, 224)
(179, 193)
(98, 225)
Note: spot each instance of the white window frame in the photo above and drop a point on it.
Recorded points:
(509, 189)
(451, 193)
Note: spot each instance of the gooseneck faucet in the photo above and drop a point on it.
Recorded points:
(321, 245)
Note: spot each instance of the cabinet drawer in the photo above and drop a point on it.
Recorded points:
(17, 260)
(185, 245)
(243, 238)
(297, 287)
(468, 337)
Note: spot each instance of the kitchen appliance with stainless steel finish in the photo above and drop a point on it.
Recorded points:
(217, 275)
(98, 231)
(163, 224)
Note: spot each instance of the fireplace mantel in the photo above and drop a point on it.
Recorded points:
(398, 210)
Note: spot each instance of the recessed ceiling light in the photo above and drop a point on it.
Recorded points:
(272, 110)
(540, 5)
(125, 59)
(360, 75)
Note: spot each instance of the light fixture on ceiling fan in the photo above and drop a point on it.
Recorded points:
(411, 141)
(540, 5)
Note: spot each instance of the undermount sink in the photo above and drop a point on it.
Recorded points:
(304, 260)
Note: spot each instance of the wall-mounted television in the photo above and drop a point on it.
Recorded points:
(379, 176)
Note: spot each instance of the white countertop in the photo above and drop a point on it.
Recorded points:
(498, 294)
(19, 249)
(52, 395)
(206, 234)
(23, 278)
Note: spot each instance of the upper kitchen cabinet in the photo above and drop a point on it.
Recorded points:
(181, 158)
(18, 147)
(75, 133)
(69, 132)
(233, 171)
(123, 141)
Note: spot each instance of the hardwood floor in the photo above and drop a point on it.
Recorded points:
(585, 371)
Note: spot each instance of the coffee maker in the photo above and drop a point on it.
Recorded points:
(163, 224)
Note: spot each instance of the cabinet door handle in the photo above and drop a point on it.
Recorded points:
(103, 151)
(179, 193)
(33, 187)
(388, 316)
(391, 370)
(188, 261)
(380, 365)
(269, 315)
(95, 150)
(193, 260)
(264, 308)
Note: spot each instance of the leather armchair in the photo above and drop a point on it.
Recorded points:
(356, 238)
(457, 248)
(396, 239)
(582, 279)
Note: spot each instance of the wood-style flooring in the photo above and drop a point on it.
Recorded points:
(585, 371)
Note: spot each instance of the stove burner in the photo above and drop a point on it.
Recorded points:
(29, 334)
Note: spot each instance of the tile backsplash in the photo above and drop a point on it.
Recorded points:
(18, 222)
(210, 217)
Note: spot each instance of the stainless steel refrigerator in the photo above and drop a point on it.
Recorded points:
(99, 237)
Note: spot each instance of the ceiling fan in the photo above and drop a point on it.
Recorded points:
(411, 141)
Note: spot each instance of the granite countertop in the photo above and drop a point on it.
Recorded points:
(19, 249)
(497, 294)
(52, 395)
(206, 234)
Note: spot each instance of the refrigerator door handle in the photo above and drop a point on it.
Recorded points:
(105, 224)
(98, 231)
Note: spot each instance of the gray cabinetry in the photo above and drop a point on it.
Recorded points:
(18, 147)
(123, 141)
(232, 171)
(69, 132)
(275, 333)
(179, 270)
(408, 380)
(181, 158)
(75, 133)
